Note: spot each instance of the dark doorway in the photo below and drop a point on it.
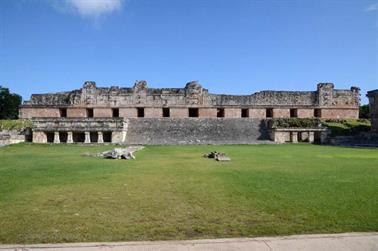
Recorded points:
(220, 112)
(166, 112)
(317, 113)
(107, 136)
(50, 137)
(269, 113)
(193, 112)
(293, 113)
(90, 113)
(317, 137)
(94, 137)
(140, 112)
(245, 113)
(78, 137)
(63, 112)
(115, 113)
(63, 137)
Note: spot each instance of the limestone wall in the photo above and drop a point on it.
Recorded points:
(373, 107)
(336, 103)
(32, 112)
(76, 113)
(305, 113)
(340, 113)
(77, 124)
(102, 113)
(8, 137)
(196, 131)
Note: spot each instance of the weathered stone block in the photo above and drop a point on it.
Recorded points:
(128, 112)
(76, 112)
(102, 112)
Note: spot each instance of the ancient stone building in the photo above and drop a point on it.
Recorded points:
(373, 107)
(142, 115)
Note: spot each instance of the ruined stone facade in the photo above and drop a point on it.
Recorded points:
(92, 110)
(373, 107)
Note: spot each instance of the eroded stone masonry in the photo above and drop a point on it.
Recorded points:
(373, 107)
(190, 115)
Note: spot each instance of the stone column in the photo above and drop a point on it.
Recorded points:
(294, 137)
(311, 137)
(100, 138)
(87, 137)
(69, 138)
(56, 138)
(39, 137)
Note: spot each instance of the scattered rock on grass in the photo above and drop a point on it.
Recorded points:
(118, 153)
(217, 156)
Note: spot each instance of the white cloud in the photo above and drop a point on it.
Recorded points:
(88, 8)
(95, 7)
(372, 7)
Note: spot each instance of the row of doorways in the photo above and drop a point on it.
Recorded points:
(79, 137)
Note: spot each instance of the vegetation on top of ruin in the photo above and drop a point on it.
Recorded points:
(295, 123)
(15, 124)
(337, 126)
(51, 193)
(345, 127)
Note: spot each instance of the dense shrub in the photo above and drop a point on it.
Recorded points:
(15, 124)
(364, 112)
(337, 126)
(295, 123)
(347, 126)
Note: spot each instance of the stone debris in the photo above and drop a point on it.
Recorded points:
(217, 156)
(118, 153)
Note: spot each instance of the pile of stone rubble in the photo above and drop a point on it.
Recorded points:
(217, 156)
(119, 153)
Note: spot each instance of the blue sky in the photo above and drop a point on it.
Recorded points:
(236, 47)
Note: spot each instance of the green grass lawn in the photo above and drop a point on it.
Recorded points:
(51, 193)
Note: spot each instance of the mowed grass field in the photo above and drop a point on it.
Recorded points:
(51, 193)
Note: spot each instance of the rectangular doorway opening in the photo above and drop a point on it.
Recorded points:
(94, 137)
(293, 113)
(50, 137)
(63, 112)
(193, 112)
(269, 113)
(90, 113)
(166, 113)
(63, 137)
(78, 137)
(140, 111)
(220, 112)
(245, 113)
(115, 113)
(317, 113)
(107, 136)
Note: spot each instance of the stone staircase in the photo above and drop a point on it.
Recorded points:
(186, 131)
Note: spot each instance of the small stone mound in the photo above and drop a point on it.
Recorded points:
(217, 156)
(118, 153)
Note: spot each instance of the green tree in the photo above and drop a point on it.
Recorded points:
(9, 103)
(364, 112)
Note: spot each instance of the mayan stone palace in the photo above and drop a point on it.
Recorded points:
(189, 115)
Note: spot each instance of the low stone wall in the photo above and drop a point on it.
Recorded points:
(363, 139)
(150, 131)
(295, 135)
(8, 137)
